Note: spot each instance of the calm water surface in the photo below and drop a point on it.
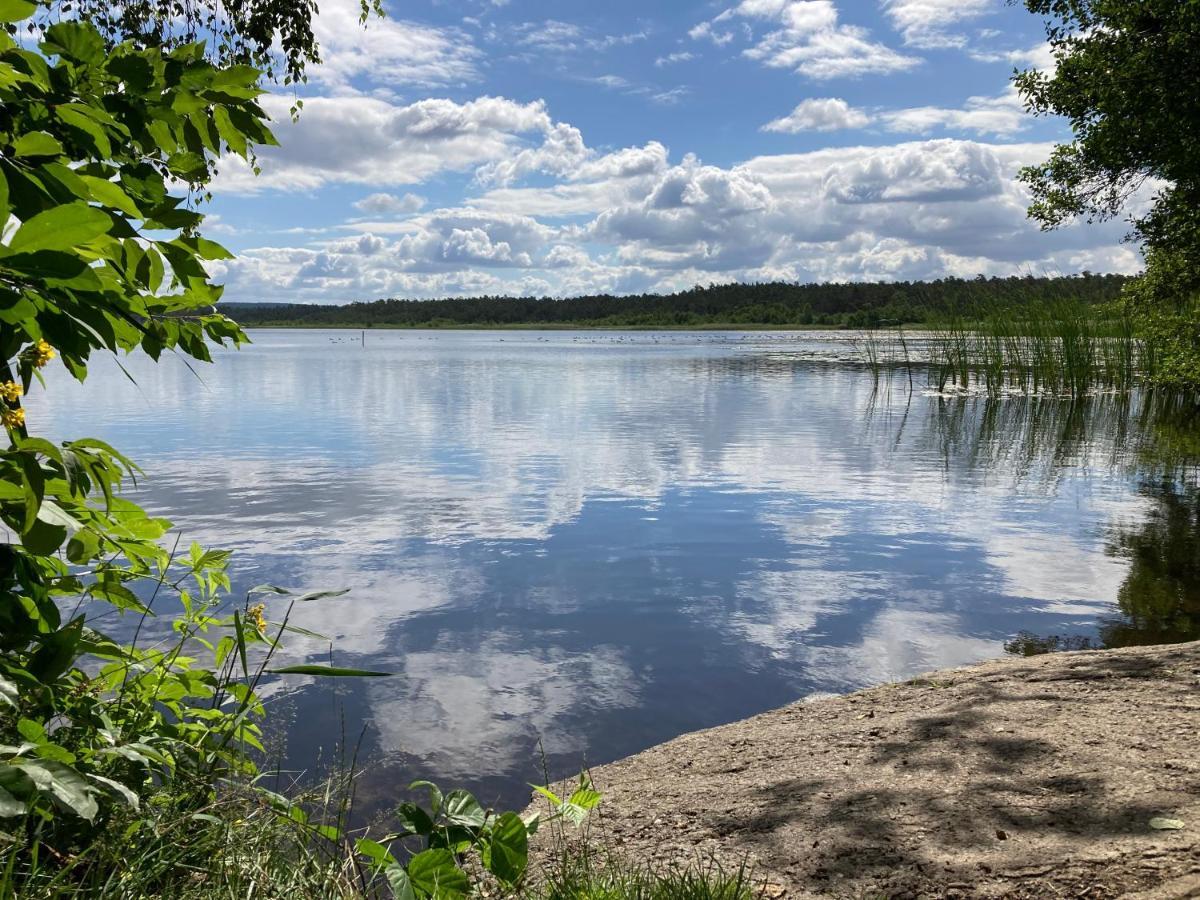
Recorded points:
(598, 541)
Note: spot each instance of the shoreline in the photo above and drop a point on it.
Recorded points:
(1017, 777)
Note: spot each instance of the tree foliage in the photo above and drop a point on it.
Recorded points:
(1125, 78)
(99, 254)
(855, 304)
(120, 735)
(274, 36)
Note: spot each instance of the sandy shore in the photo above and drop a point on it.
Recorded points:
(1032, 777)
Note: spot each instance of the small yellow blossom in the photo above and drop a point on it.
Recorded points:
(255, 615)
(10, 391)
(12, 418)
(40, 354)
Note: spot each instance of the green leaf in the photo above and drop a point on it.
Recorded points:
(400, 883)
(110, 194)
(83, 546)
(32, 731)
(63, 783)
(126, 794)
(61, 228)
(229, 132)
(36, 143)
(10, 805)
(42, 538)
(378, 854)
(554, 799)
(585, 798)
(414, 820)
(54, 514)
(73, 118)
(16, 10)
(3, 198)
(318, 595)
(434, 873)
(76, 41)
(57, 653)
(8, 692)
(34, 485)
(267, 589)
(435, 795)
(463, 809)
(329, 671)
(507, 852)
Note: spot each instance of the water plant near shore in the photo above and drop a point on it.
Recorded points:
(1056, 347)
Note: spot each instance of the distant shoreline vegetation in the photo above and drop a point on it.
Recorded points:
(775, 304)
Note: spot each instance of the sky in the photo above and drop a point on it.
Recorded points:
(522, 147)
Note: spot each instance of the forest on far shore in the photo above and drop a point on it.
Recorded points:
(850, 305)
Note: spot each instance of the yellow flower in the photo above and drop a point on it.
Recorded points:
(40, 354)
(255, 615)
(12, 418)
(10, 391)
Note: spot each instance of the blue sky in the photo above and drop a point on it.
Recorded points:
(560, 148)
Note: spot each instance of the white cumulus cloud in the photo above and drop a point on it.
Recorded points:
(820, 114)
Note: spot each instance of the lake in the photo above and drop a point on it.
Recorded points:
(579, 544)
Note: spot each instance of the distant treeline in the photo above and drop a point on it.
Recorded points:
(853, 305)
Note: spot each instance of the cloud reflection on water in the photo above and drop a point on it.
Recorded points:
(602, 540)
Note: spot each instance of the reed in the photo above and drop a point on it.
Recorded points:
(1056, 346)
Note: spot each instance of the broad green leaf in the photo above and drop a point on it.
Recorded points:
(229, 132)
(400, 883)
(73, 118)
(126, 794)
(43, 538)
(16, 10)
(36, 143)
(554, 799)
(31, 731)
(62, 782)
(434, 873)
(34, 485)
(585, 798)
(507, 852)
(55, 267)
(110, 194)
(57, 653)
(329, 671)
(53, 514)
(462, 808)
(414, 820)
(116, 594)
(378, 854)
(61, 228)
(10, 805)
(205, 248)
(83, 546)
(76, 41)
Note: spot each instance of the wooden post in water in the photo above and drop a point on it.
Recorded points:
(364, 340)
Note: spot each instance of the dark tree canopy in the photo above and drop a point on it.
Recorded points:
(1126, 80)
(275, 36)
